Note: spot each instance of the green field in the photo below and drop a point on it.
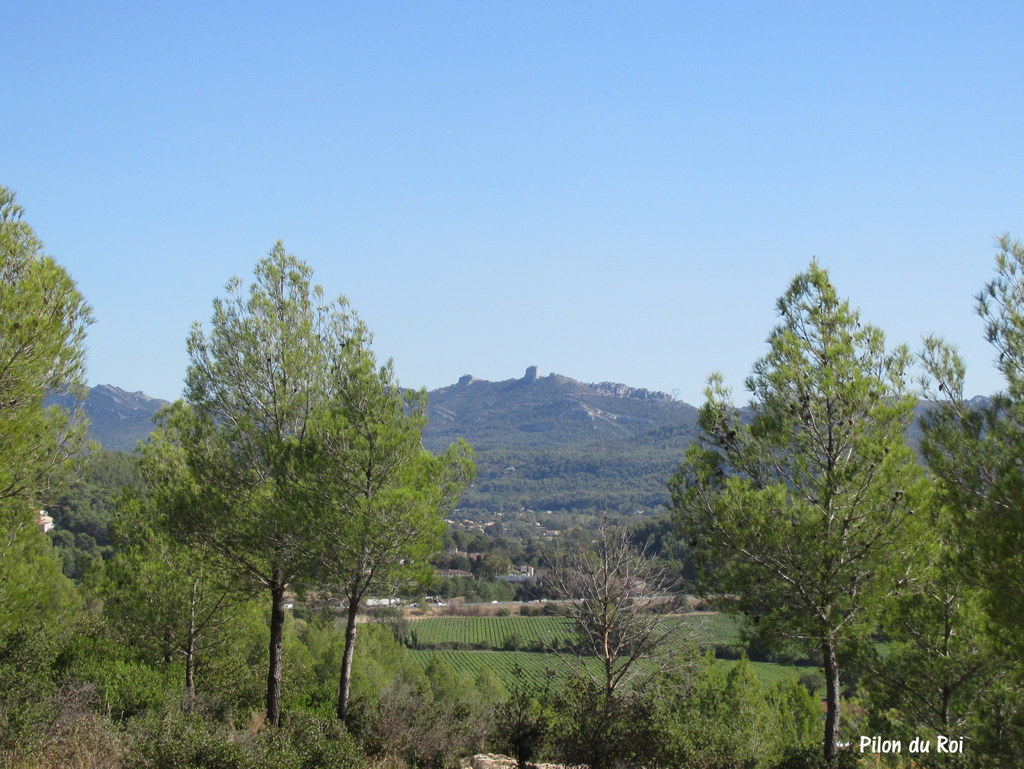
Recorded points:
(769, 672)
(539, 668)
(470, 644)
(490, 632)
(544, 632)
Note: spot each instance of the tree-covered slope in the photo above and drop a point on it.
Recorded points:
(553, 443)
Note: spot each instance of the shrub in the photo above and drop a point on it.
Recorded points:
(178, 741)
(126, 688)
(813, 681)
(593, 728)
(308, 742)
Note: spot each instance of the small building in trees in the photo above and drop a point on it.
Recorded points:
(374, 602)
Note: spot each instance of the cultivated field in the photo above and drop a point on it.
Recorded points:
(523, 645)
(538, 633)
(539, 668)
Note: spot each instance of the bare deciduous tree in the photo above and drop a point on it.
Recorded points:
(616, 597)
(618, 600)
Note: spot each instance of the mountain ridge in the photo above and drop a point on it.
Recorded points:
(542, 442)
(552, 410)
(118, 419)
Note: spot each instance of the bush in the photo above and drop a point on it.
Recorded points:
(178, 741)
(90, 741)
(715, 719)
(813, 681)
(603, 731)
(127, 688)
(308, 742)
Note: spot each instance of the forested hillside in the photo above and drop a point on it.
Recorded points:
(541, 442)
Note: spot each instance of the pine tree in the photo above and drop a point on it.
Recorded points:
(803, 507)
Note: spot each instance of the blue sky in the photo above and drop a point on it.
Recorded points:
(612, 191)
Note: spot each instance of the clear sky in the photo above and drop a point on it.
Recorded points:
(611, 191)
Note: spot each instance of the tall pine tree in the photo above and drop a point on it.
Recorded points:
(803, 507)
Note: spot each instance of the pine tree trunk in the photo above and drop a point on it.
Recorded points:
(346, 661)
(190, 680)
(276, 641)
(190, 652)
(831, 666)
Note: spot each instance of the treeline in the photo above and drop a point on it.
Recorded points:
(623, 476)
(83, 511)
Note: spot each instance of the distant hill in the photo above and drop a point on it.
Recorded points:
(547, 411)
(117, 419)
(553, 443)
(542, 442)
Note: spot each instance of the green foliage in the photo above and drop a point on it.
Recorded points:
(999, 730)
(966, 613)
(380, 661)
(807, 512)
(489, 687)
(382, 497)
(303, 688)
(27, 658)
(473, 590)
(429, 715)
(601, 731)
(228, 684)
(523, 719)
(122, 682)
(230, 466)
(42, 328)
(308, 742)
(128, 688)
(939, 672)
(84, 512)
(163, 597)
(180, 741)
(295, 459)
(46, 703)
(225, 463)
(33, 588)
(974, 448)
(713, 718)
